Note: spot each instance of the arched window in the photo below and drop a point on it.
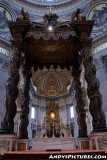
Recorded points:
(33, 113)
(71, 112)
(68, 88)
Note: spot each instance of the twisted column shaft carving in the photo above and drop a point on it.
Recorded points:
(93, 92)
(23, 132)
(81, 119)
(12, 91)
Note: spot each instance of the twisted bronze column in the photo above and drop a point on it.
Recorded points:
(93, 92)
(81, 120)
(12, 92)
(23, 132)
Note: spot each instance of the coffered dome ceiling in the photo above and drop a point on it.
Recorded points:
(52, 82)
(49, 1)
(41, 7)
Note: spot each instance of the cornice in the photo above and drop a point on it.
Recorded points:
(5, 48)
(5, 44)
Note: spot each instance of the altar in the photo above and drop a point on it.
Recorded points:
(53, 143)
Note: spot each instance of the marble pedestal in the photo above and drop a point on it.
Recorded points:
(98, 140)
(22, 144)
(83, 143)
(7, 142)
(53, 143)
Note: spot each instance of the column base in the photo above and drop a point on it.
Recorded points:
(22, 144)
(23, 137)
(6, 131)
(98, 140)
(7, 142)
(82, 136)
(101, 129)
(83, 143)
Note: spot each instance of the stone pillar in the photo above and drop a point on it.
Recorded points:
(81, 119)
(75, 120)
(68, 114)
(12, 92)
(23, 132)
(94, 95)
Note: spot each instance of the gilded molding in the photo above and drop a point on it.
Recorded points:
(11, 97)
(95, 95)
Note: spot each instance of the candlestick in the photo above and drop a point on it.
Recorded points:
(70, 135)
(36, 133)
(53, 136)
(61, 133)
(45, 132)
(65, 133)
(41, 134)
